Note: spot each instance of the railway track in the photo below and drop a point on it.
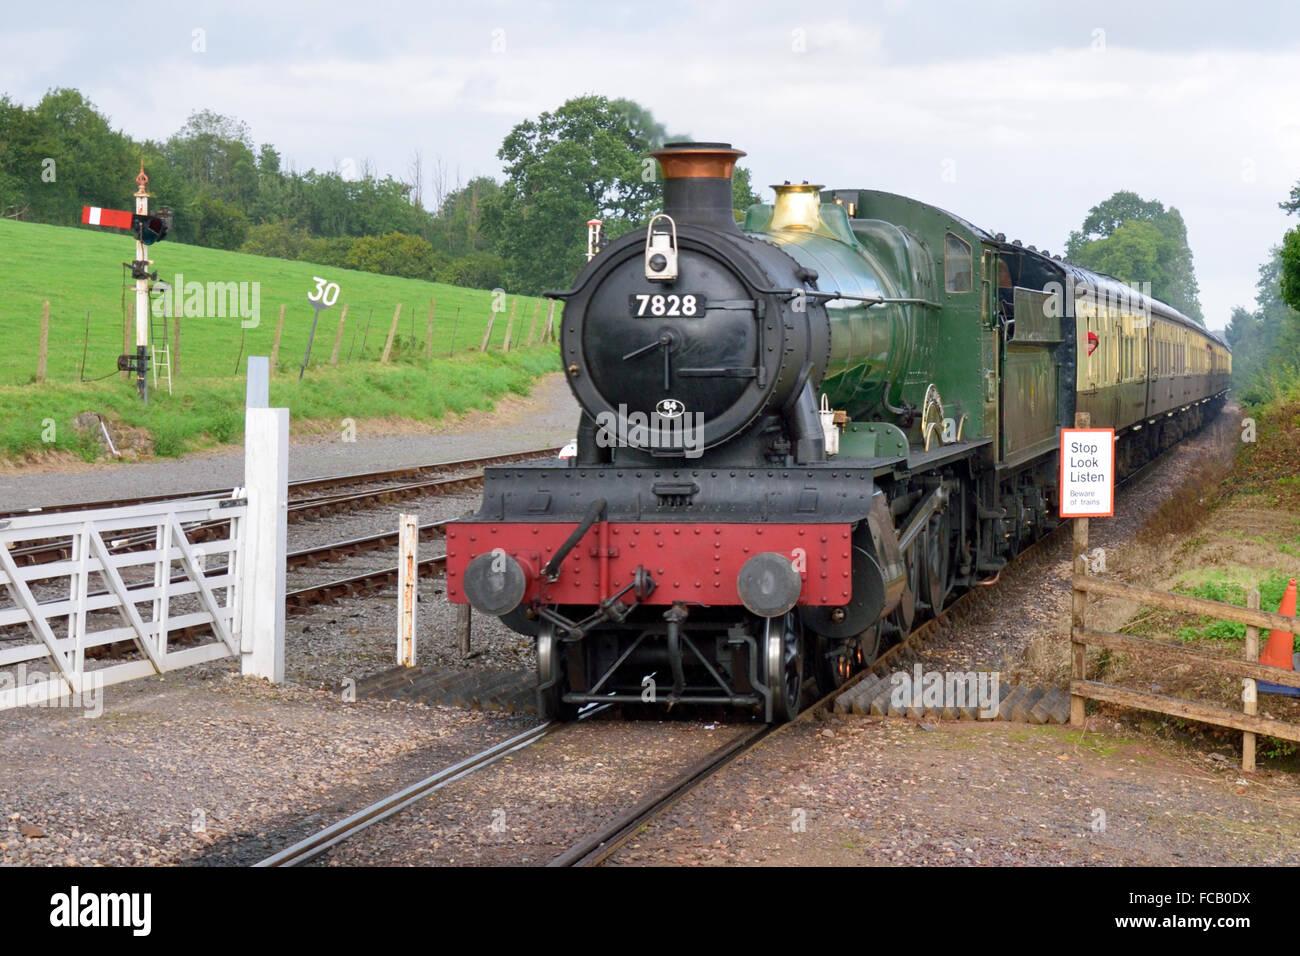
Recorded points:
(316, 844)
(411, 483)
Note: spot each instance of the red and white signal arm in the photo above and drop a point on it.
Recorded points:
(1087, 472)
(114, 218)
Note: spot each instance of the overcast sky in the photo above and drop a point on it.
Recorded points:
(1018, 116)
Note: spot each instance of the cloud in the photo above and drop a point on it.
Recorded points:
(1036, 124)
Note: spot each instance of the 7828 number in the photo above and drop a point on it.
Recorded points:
(657, 305)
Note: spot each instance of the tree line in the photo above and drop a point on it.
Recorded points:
(588, 158)
(1266, 340)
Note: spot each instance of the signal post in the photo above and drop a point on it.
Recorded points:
(140, 270)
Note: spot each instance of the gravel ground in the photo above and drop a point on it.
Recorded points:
(858, 791)
(256, 766)
(548, 417)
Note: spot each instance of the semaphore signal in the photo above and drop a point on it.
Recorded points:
(148, 229)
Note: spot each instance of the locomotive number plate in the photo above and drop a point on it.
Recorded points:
(645, 305)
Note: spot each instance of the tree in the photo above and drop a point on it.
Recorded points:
(1139, 240)
(470, 219)
(215, 153)
(218, 224)
(1289, 278)
(1265, 343)
(280, 239)
(586, 159)
(394, 254)
(742, 193)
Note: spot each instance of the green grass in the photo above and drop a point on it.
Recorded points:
(79, 270)
(211, 411)
(1217, 587)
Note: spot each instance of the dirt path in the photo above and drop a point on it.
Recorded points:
(858, 791)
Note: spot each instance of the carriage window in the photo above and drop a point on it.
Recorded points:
(957, 276)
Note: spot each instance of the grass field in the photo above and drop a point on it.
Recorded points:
(79, 271)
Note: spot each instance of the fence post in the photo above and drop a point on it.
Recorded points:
(392, 331)
(408, 577)
(428, 336)
(1250, 702)
(338, 336)
(510, 325)
(1079, 609)
(275, 346)
(487, 335)
(45, 342)
(532, 326)
(549, 334)
(262, 567)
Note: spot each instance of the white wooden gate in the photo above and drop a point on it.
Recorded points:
(131, 575)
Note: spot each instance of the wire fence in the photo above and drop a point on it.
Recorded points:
(66, 343)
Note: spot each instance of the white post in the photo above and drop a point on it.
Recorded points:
(266, 482)
(408, 576)
(257, 389)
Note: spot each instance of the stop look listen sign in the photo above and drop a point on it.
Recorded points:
(1087, 472)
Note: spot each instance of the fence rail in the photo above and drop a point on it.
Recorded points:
(1248, 669)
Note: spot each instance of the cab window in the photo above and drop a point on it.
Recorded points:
(957, 275)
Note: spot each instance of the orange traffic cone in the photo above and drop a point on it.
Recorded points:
(1281, 645)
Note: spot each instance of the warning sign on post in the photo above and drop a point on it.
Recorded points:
(1087, 472)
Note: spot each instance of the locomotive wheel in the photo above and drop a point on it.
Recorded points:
(551, 679)
(783, 664)
(936, 563)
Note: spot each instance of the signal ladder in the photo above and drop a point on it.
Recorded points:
(161, 355)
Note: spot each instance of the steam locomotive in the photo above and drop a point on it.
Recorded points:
(802, 436)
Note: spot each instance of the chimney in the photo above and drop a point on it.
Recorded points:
(697, 182)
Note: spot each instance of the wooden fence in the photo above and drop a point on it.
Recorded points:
(514, 336)
(1249, 670)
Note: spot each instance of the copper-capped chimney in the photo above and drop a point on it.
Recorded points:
(697, 182)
